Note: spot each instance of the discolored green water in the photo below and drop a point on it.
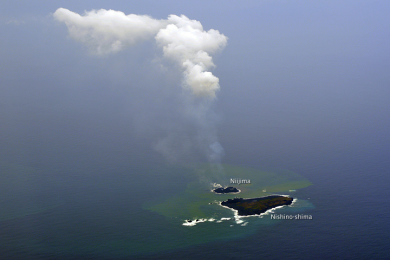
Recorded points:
(197, 201)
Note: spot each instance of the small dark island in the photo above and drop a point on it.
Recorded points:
(256, 206)
(226, 190)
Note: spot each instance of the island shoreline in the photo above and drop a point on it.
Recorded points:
(236, 212)
(218, 189)
(237, 217)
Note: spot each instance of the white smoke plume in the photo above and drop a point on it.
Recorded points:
(183, 41)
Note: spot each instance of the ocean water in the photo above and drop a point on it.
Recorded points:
(103, 215)
(76, 184)
(303, 88)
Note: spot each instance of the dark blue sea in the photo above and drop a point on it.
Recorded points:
(303, 88)
(96, 187)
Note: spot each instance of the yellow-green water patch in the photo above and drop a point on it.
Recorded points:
(197, 201)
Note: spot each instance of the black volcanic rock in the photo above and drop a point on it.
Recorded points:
(256, 206)
(226, 190)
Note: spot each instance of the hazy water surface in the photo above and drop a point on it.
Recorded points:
(304, 87)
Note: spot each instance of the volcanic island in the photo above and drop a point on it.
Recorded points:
(256, 206)
(222, 190)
